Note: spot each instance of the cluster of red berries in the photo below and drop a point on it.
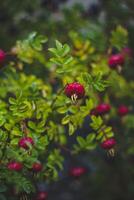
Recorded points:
(17, 166)
(105, 108)
(74, 91)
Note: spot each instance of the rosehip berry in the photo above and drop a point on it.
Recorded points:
(25, 142)
(75, 91)
(15, 166)
(123, 110)
(116, 60)
(2, 56)
(103, 108)
(108, 143)
(42, 196)
(77, 171)
(37, 167)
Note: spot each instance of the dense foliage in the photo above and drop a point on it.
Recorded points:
(50, 89)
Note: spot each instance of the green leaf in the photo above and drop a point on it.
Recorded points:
(66, 120)
(119, 38)
(58, 45)
(31, 125)
(68, 60)
(81, 141)
(62, 110)
(99, 135)
(12, 100)
(91, 137)
(110, 134)
(71, 129)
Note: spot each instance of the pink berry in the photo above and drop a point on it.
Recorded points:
(108, 143)
(115, 60)
(42, 196)
(103, 108)
(15, 166)
(77, 171)
(123, 110)
(25, 142)
(75, 89)
(37, 167)
(2, 56)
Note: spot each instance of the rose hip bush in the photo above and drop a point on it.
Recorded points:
(46, 93)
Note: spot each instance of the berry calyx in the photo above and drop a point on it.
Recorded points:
(37, 167)
(42, 196)
(15, 166)
(108, 143)
(2, 56)
(102, 108)
(75, 91)
(77, 171)
(116, 60)
(25, 142)
(123, 110)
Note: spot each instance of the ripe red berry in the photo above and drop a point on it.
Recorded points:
(103, 108)
(37, 167)
(115, 60)
(15, 166)
(2, 56)
(77, 171)
(75, 90)
(123, 110)
(25, 142)
(108, 143)
(42, 196)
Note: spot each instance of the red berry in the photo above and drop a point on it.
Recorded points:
(2, 56)
(15, 166)
(77, 171)
(123, 110)
(37, 167)
(108, 143)
(42, 196)
(75, 89)
(25, 142)
(103, 108)
(116, 60)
